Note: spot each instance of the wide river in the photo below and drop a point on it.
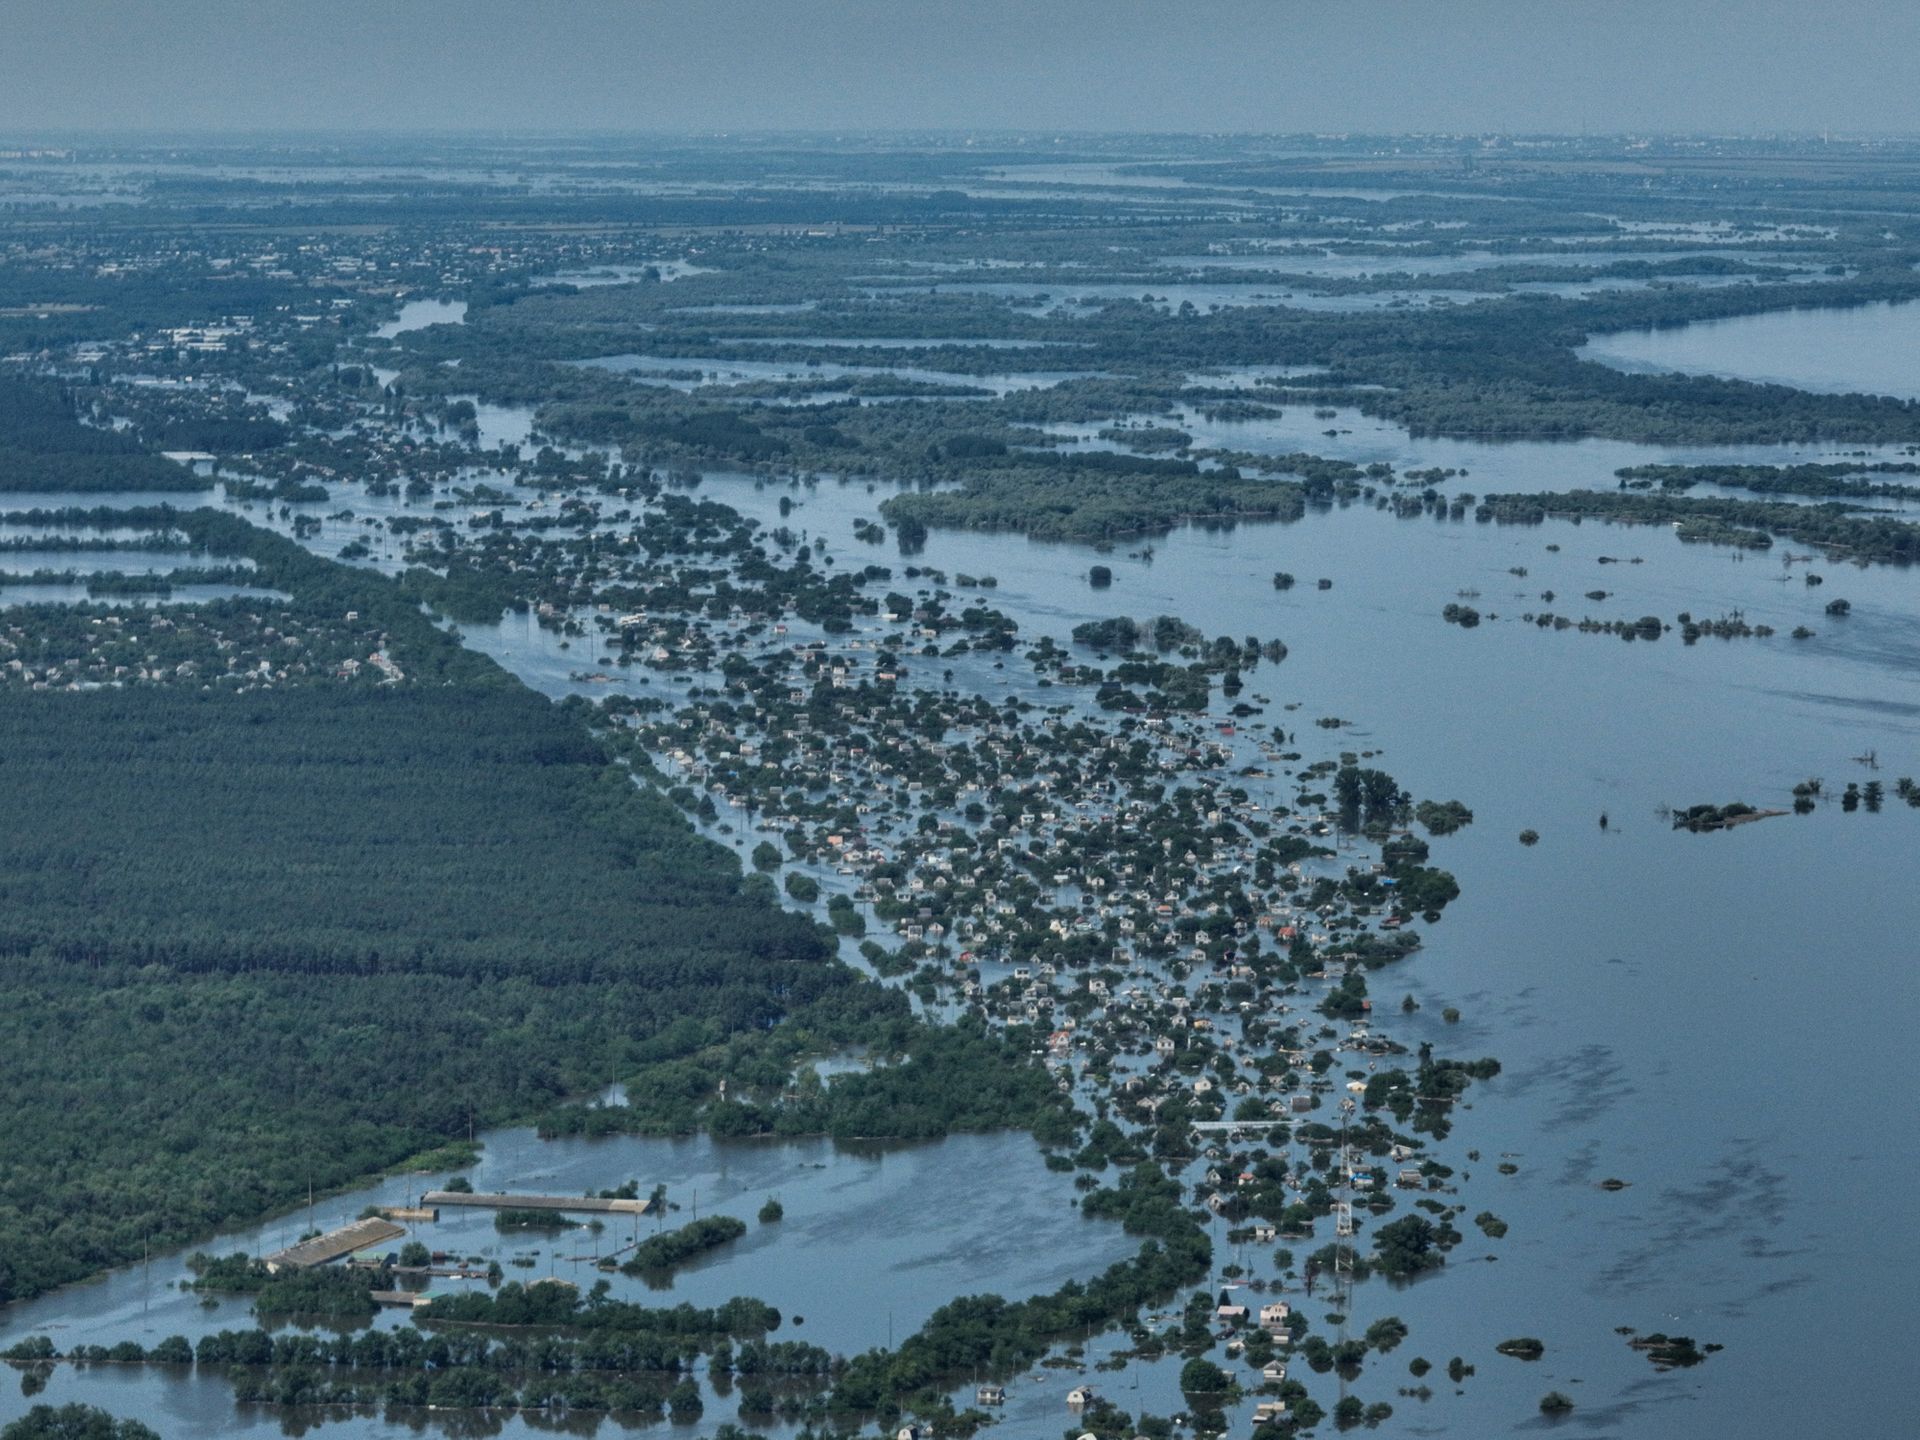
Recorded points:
(1723, 1021)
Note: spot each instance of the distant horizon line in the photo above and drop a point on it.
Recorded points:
(964, 134)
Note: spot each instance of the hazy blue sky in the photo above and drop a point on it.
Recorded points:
(1041, 64)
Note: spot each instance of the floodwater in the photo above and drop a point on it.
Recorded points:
(1722, 1021)
(1484, 467)
(663, 271)
(1044, 298)
(120, 562)
(73, 594)
(1308, 260)
(1073, 174)
(1836, 350)
(919, 1218)
(419, 314)
(1647, 989)
(874, 342)
(668, 371)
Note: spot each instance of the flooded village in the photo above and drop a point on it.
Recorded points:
(1068, 673)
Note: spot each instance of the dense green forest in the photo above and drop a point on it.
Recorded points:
(424, 830)
(44, 447)
(256, 941)
(253, 941)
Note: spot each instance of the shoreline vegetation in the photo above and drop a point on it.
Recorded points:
(1744, 524)
(1703, 818)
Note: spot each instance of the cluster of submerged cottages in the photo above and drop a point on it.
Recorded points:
(1273, 1321)
(1124, 854)
(1165, 898)
(1133, 887)
(1165, 894)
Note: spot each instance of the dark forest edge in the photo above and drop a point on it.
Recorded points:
(164, 955)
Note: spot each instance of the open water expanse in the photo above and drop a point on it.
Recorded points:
(1869, 348)
(1723, 1021)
